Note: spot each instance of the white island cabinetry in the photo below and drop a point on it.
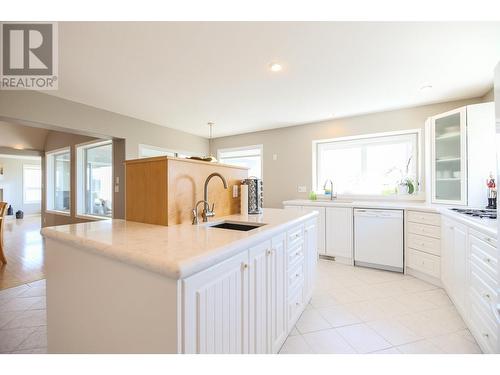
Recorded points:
(222, 292)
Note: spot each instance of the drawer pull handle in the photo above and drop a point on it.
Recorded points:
(486, 295)
(487, 260)
(297, 274)
(297, 303)
(245, 266)
(486, 335)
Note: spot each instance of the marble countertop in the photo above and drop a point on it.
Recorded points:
(487, 226)
(395, 205)
(176, 251)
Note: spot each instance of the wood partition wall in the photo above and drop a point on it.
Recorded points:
(163, 190)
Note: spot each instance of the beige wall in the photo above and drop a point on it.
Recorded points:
(65, 115)
(21, 137)
(293, 145)
(489, 96)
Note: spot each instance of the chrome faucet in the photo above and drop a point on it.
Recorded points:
(207, 211)
(195, 211)
(331, 188)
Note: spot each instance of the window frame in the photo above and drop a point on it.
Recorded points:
(81, 177)
(244, 148)
(419, 151)
(50, 187)
(30, 166)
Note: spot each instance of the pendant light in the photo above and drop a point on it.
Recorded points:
(210, 130)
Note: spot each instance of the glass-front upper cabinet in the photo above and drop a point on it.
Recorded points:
(448, 158)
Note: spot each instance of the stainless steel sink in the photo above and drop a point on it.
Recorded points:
(236, 225)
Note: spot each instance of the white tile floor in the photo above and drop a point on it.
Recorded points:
(23, 319)
(353, 310)
(360, 310)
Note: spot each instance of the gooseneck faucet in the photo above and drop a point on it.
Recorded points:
(207, 211)
(331, 187)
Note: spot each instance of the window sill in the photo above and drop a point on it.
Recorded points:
(92, 217)
(56, 212)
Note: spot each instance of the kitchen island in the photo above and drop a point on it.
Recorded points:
(123, 287)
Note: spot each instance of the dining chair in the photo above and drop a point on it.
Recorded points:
(3, 211)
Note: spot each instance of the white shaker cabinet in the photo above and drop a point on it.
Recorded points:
(259, 289)
(339, 236)
(277, 293)
(454, 262)
(250, 302)
(216, 308)
(320, 226)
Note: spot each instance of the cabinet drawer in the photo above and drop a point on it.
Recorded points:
(295, 235)
(484, 330)
(481, 256)
(423, 243)
(295, 253)
(423, 262)
(483, 285)
(296, 275)
(295, 307)
(424, 230)
(424, 218)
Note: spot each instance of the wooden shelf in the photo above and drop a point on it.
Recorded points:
(449, 179)
(445, 160)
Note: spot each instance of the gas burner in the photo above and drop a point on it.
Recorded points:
(483, 214)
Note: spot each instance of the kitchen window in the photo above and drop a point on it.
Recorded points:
(375, 164)
(32, 183)
(249, 156)
(58, 176)
(95, 179)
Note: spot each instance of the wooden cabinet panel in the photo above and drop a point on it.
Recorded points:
(146, 192)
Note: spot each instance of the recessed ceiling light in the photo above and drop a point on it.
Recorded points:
(275, 67)
(426, 87)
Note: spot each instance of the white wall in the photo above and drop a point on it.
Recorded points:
(12, 184)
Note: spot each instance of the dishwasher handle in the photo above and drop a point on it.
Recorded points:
(378, 213)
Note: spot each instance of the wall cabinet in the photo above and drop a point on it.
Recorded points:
(339, 235)
(462, 154)
(250, 302)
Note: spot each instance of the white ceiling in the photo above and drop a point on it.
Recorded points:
(182, 75)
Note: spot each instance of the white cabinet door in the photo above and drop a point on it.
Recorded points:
(454, 262)
(339, 232)
(321, 226)
(259, 281)
(449, 157)
(311, 258)
(277, 293)
(447, 239)
(460, 268)
(216, 308)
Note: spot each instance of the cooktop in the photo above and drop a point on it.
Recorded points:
(481, 213)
